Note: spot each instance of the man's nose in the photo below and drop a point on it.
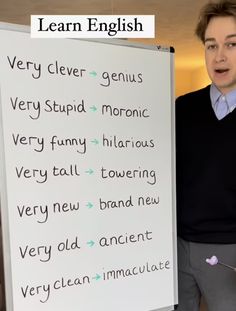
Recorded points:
(220, 55)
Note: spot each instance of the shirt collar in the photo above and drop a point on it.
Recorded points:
(215, 95)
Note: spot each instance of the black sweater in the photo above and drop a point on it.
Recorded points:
(206, 171)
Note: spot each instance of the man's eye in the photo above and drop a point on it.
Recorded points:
(211, 47)
(231, 44)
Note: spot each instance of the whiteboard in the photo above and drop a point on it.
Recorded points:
(87, 174)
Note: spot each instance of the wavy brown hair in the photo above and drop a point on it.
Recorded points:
(214, 9)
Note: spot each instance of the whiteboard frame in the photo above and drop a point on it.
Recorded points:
(3, 197)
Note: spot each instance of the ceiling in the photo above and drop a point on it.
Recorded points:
(175, 19)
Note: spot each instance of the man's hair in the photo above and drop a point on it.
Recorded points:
(214, 9)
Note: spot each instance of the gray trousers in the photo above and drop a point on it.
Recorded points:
(196, 278)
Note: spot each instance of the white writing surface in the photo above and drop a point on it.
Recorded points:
(87, 197)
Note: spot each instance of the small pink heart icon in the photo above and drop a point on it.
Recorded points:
(212, 261)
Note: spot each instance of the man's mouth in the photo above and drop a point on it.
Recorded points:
(221, 70)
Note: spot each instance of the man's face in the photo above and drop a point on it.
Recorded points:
(220, 52)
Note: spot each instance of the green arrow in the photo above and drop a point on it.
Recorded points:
(95, 141)
(93, 73)
(89, 205)
(97, 277)
(89, 171)
(93, 108)
(90, 243)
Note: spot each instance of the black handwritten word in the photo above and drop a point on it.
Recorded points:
(58, 69)
(62, 283)
(43, 252)
(41, 212)
(125, 239)
(67, 245)
(65, 207)
(115, 204)
(53, 106)
(114, 142)
(130, 174)
(34, 210)
(34, 108)
(116, 274)
(72, 170)
(19, 64)
(56, 142)
(36, 142)
(107, 78)
(44, 291)
(125, 112)
(37, 290)
(40, 175)
(148, 201)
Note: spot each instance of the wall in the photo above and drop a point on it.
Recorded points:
(188, 80)
(183, 79)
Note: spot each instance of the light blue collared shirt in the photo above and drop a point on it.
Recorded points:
(222, 104)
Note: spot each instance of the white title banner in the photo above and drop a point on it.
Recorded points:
(92, 26)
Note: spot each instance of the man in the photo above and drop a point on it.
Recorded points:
(206, 169)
